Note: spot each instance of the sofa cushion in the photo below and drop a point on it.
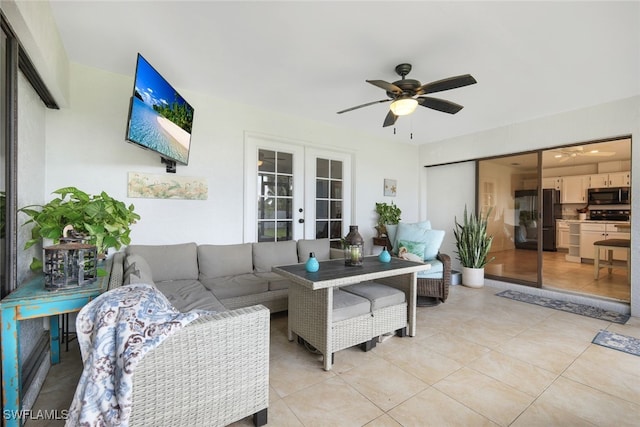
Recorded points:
(269, 254)
(435, 272)
(136, 270)
(224, 260)
(169, 262)
(378, 294)
(347, 305)
(187, 295)
(276, 281)
(236, 286)
(320, 248)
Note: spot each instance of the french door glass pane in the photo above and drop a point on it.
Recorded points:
(322, 229)
(336, 169)
(322, 168)
(285, 163)
(329, 200)
(275, 195)
(322, 188)
(322, 209)
(266, 161)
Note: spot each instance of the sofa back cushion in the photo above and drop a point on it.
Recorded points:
(320, 248)
(136, 270)
(268, 254)
(169, 262)
(224, 260)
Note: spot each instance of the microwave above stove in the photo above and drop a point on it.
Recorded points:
(609, 196)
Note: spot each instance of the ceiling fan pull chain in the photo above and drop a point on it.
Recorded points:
(394, 130)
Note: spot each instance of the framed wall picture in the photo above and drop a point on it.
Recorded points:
(390, 187)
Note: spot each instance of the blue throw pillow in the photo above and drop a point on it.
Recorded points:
(405, 231)
(434, 240)
(412, 251)
(431, 238)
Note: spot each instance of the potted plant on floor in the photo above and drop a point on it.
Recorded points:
(102, 219)
(473, 246)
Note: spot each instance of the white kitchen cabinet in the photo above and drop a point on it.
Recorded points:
(562, 235)
(552, 182)
(620, 179)
(574, 189)
(600, 180)
(591, 233)
(613, 179)
(573, 255)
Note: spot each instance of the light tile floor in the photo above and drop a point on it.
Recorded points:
(477, 360)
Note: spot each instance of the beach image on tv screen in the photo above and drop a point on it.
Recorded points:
(160, 118)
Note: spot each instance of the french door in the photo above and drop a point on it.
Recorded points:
(293, 191)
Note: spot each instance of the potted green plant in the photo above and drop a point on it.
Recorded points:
(387, 214)
(104, 220)
(473, 246)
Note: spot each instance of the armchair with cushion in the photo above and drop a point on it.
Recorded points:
(417, 241)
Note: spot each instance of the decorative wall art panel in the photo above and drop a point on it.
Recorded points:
(390, 187)
(167, 186)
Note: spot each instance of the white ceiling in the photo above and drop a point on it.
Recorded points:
(310, 59)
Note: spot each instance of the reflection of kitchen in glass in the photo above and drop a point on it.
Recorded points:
(527, 220)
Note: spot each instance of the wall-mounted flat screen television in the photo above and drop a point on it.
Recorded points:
(159, 118)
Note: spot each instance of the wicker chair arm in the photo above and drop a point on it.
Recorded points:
(446, 264)
(212, 372)
(116, 275)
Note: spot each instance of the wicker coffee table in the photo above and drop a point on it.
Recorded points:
(311, 298)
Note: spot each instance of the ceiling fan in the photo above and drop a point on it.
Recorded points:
(404, 94)
(565, 154)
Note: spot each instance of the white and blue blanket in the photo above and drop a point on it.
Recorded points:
(114, 332)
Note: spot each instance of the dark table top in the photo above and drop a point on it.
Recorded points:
(335, 273)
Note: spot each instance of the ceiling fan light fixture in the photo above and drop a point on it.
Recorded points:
(403, 106)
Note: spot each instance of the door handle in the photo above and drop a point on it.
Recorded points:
(301, 220)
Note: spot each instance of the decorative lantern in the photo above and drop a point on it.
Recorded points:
(353, 247)
(71, 263)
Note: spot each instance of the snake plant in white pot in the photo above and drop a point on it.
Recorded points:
(473, 246)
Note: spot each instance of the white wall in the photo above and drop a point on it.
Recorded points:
(86, 148)
(599, 122)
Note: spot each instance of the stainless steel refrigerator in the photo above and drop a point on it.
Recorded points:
(527, 219)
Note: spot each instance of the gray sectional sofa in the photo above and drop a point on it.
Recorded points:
(214, 371)
(215, 277)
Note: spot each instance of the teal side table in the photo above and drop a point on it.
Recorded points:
(29, 301)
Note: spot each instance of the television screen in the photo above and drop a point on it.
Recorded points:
(159, 118)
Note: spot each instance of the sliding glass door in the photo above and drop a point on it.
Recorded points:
(508, 191)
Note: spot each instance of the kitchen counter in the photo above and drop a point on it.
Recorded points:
(595, 221)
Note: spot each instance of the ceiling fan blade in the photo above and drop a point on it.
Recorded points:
(446, 84)
(439, 104)
(363, 105)
(389, 87)
(390, 120)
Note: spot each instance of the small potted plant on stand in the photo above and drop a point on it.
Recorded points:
(388, 217)
(473, 246)
(387, 214)
(103, 220)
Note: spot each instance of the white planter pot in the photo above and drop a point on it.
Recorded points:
(473, 277)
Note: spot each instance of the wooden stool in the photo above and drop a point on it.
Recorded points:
(610, 245)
